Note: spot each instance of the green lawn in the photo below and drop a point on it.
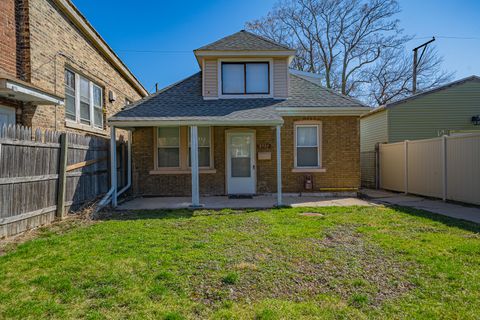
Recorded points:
(347, 262)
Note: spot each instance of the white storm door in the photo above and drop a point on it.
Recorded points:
(241, 173)
(7, 116)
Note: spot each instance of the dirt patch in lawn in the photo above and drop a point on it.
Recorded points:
(358, 269)
(311, 214)
(341, 262)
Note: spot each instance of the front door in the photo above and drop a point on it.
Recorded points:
(241, 173)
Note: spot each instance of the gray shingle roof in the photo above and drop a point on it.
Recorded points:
(184, 101)
(244, 40)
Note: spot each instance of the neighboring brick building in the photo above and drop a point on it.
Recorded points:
(242, 101)
(56, 71)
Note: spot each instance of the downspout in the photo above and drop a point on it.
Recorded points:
(108, 196)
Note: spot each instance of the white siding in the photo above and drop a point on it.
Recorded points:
(280, 78)
(210, 79)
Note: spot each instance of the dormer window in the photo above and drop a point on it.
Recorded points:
(245, 78)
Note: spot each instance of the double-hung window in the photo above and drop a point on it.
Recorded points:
(245, 78)
(174, 147)
(307, 146)
(168, 144)
(70, 95)
(83, 100)
(204, 142)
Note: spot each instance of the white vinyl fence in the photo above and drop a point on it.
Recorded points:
(447, 167)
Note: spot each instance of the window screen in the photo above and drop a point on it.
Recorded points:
(70, 109)
(233, 78)
(245, 78)
(307, 146)
(203, 147)
(168, 147)
(257, 77)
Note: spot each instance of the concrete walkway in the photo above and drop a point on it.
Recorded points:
(435, 206)
(257, 202)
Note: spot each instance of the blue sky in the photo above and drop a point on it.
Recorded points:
(174, 28)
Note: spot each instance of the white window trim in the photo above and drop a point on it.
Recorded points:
(304, 124)
(179, 147)
(184, 144)
(74, 96)
(244, 96)
(92, 104)
(77, 121)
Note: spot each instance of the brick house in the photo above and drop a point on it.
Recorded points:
(226, 129)
(56, 71)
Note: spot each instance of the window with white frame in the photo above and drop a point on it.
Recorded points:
(307, 146)
(245, 78)
(70, 105)
(168, 144)
(204, 142)
(83, 100)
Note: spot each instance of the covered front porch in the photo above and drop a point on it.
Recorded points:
(197, 158)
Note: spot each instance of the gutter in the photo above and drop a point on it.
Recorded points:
(107, 198)
(374, 111)
(322, 111)
(152, 122)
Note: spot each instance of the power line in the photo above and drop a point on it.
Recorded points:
(190, 51)
(156, 51)
(448, 37)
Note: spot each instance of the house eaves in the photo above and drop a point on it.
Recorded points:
(79, 20)
(15, 89)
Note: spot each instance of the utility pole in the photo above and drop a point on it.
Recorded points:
(416, 63)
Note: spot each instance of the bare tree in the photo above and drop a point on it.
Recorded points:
(391, 77)
(353, 44)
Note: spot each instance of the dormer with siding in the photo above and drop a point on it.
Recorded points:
(244, 65)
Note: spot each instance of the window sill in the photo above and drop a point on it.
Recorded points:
(180, 171)
(308, 170)
(245, 96)
(84, 127)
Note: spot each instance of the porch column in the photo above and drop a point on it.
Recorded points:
(194, 164)
(113, 165)
(279, 167)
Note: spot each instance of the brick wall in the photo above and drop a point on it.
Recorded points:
(180, 184)
(340, 153)
(14, 38)
(8, 44)
(52, 32)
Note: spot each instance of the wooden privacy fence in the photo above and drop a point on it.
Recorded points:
(447, 167)
(44, 175)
